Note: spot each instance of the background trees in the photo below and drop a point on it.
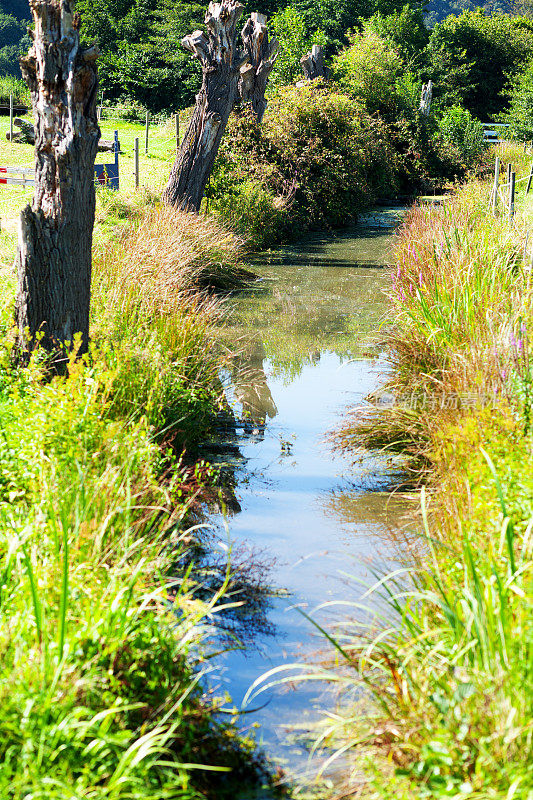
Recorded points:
(470, 58)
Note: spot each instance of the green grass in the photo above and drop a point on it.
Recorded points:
(104, 611)
(154, 167)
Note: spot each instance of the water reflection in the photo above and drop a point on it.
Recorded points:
(250, 385)
(310, 330)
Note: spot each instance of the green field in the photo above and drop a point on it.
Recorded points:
(154, 167)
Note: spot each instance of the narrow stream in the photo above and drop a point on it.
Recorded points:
(309, 353)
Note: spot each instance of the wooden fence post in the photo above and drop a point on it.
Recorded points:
(530, 179)
(496, 186)
(11, 118)
(512, 194)
(177, 121)
(136, 161)
(146, 133)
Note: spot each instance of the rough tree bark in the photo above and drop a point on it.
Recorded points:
(221, 61)
(262, 53)
(313, 64)
(55, 232)
(26, 135)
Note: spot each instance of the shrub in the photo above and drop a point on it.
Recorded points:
(368, 70)
(321, 157)
(250, 208)
(16, 87)
(460, 130)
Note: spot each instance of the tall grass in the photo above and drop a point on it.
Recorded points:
(102, 652)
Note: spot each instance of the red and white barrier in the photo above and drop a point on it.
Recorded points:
(17, 176)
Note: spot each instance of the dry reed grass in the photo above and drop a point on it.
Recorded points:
(460, 293)
(164, 255)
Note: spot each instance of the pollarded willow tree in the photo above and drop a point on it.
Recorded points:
(221, 59)
(262, 53)
(313, 64)
(55, 235)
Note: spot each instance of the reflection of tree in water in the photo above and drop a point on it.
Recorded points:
(251, 387)
(242, 577)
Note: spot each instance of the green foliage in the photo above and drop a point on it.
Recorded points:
(368, 70)
(319, 158)
(471, 57)
(520, 112)
(17, 88)
(250, 208)
(333, 17)
(448, 663)
(141, 55)
(465, 133)
(290, 29)
(405, 31)
(374, 74)
(14, 41)
(101, 632)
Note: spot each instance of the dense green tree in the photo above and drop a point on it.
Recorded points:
(471, 57)
(520, 112)
(292, 33)
(406, 32)
(14, 41)
(142, 57)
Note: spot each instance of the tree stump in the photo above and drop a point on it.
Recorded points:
(262, 53)
(426, 98)
(55, 234)
(313, 64)
(221, 61)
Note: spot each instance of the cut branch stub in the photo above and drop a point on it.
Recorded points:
(426, 98)
(313, 64)
(221, 61)
(55, 235)
(262, 53)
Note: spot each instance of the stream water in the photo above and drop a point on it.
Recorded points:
(309, 352)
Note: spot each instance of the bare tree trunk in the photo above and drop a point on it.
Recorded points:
(313, 64)
(55, 233)
(262, 54)
(221, 61)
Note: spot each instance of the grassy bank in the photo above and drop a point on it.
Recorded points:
(103, 629)
(446, 670)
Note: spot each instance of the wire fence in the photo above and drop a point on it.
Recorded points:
(505, 193)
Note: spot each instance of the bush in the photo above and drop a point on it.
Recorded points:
(253, 210)
(368, 70)
(128, 110)
(464, 133)
(319, 157)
